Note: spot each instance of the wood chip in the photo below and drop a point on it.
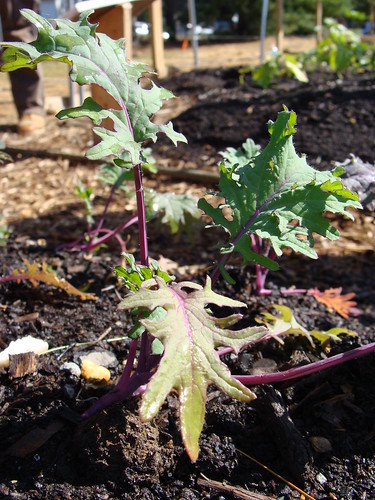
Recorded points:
(22, 364)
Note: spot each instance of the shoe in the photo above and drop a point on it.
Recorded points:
(31, 123)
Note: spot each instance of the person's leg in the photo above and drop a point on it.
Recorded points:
(27, 85)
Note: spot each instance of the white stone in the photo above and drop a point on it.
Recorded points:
(72, 368)
(20, 346)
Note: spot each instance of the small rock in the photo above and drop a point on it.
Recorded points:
(69, 391)
(263, 365)
(320, 478)
(101, 358)
(320, 444)
(72, 368)
(94, 373)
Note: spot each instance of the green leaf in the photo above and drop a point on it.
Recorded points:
(241, 156)
(190, 335)
(96, 58)
(86, 194)
(173, 207)
(284, 324)
(278, 197)
(133, 275)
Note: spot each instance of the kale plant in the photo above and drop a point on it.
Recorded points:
(276, 197)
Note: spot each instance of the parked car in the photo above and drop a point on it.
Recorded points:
(142, 31)
(184, 32)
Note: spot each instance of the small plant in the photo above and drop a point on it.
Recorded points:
(176, 211)
(276, 196)
(278, 66)
(342, 49)
(4, 232)
(339, 50)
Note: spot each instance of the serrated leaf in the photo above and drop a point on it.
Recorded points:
(35, 272)
(241, 156)
(190, 335)
(173, 207)
(286, 324)
(333, 299)
(96, 58)
(279, 197)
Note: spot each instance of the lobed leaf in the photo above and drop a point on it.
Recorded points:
(278, 197)
(333, 299)
(176, 209)
(96, 58)
(190, 335)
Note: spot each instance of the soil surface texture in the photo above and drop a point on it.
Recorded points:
(317, 432)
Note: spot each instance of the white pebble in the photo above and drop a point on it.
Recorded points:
(20, 346)
(320, 478)
(72, 368)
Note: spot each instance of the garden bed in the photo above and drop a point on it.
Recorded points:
(317, 432)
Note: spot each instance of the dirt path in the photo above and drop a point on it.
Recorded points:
(225, 55)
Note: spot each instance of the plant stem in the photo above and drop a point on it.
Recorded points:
(141, 211)
(119, 392)
(301, 371)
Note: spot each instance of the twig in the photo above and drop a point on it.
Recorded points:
(199, 175)
(82, 344)
(306, 495)
(236, 491)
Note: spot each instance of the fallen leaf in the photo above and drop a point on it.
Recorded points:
(333, 299)
(35, 272)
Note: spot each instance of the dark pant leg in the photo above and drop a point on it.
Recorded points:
(27, 85)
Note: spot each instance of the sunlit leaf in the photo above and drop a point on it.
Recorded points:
(190, 335)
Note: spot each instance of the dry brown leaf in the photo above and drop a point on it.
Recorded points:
(35, 272)
(333, 299)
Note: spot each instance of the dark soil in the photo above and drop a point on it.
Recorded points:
(317, 432)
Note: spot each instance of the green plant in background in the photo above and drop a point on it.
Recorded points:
(178, 339)
(342, 49)
(4, 232)
(178, 212)
(276, 67)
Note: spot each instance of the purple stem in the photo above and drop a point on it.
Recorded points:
(301, 371)
(119, 392)
(141, 211)
(109, 199)
(130, 383)
(109, 233)
(216, 272)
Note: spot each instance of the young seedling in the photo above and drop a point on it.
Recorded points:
(278, 198)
